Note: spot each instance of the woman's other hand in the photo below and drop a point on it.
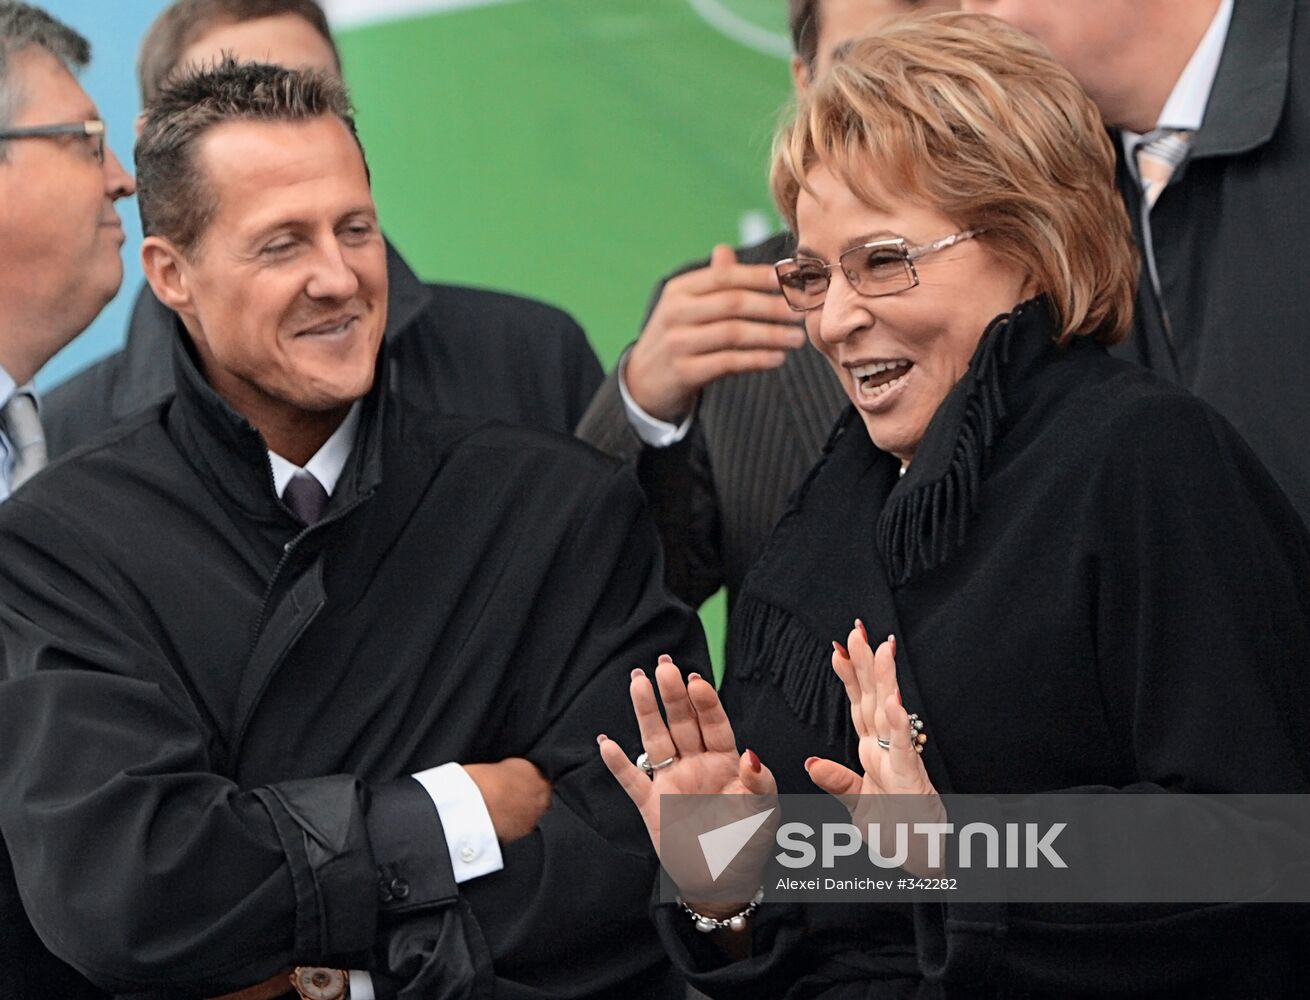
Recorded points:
(892, 764)
(699, 742)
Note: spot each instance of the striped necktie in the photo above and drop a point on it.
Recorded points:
(22, 425)
(1158, 155)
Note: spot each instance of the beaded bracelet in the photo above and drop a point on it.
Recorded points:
(736, 922)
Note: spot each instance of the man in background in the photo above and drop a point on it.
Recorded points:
(60, 238)
(721, 403)
(460, 351)
(1208, 101)
(60, 235)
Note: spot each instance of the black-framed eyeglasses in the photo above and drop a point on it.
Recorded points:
(94, 130)
(883, 267)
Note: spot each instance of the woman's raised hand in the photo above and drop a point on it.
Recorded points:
(694, 753)
(891, 763)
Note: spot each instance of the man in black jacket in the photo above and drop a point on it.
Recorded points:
(455, 350)
(252, 634)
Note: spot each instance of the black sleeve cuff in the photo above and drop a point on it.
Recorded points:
(409, 849)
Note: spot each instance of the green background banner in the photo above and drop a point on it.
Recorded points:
(573, 150)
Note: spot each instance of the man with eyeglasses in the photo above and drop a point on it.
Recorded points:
(60, 239)
(60, 235)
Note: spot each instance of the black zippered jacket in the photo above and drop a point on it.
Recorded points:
(209, 714)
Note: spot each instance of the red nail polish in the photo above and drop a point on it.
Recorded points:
(753, 761)
(841, 649)
(863, 632)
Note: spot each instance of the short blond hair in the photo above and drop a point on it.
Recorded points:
(968, 116)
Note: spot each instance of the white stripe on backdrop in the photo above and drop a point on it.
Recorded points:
(350, 13)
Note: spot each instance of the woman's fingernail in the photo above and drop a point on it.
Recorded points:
(898, 697)
(892, 640)
(863, 632)
(693, 677)
(637, 672)
(809, 762)
(665, 658)
(841, 649)
(753, 761)
(601, 739)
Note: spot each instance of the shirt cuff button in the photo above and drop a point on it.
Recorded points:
(467, 854)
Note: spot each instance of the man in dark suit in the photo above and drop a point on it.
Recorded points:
(456, 350)
(721, 403)
(1207, 100)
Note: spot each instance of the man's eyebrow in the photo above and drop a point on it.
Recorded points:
(299, 222)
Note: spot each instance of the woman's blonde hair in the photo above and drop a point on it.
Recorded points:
(968, 116)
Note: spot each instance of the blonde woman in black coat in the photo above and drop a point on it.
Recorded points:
(1091, 582)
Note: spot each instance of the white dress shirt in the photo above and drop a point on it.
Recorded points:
(653, 431)
(470, 835)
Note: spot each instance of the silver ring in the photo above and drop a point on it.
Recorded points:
(643, 762)
(885, 744)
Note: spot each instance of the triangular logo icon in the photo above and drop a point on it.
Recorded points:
(722, 844)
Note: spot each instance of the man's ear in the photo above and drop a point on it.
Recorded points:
(139, 125)
(800, 75)
(167, 271)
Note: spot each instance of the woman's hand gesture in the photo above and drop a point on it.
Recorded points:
(695, 753)
(889, 749)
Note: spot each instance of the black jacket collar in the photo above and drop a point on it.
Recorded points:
(232, 456)
(1250, 86)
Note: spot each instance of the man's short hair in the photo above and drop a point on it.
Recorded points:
(183, 23)
(22, 26)
(174, 195)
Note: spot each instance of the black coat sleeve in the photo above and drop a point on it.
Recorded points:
(1199, 568)
(599, 611)
(138, 863)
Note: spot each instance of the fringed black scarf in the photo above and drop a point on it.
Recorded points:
(856, 531)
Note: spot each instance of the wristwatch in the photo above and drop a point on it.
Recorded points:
(314, 983)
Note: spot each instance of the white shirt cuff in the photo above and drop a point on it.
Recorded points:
(470, 835)
(652, 431)
(361, 986)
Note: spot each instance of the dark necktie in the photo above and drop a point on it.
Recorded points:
(306, 497)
